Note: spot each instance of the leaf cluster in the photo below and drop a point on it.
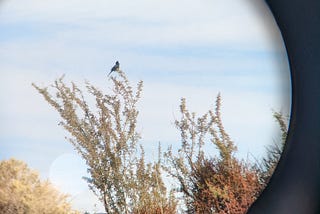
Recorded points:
(106, 138)
(223, 184)
(22, 192)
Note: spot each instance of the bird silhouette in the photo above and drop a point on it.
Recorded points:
(116, 67)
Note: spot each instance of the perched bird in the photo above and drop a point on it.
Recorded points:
(116, 67)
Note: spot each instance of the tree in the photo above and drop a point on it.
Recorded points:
(222, 184)
(22, 192)
(106, 137)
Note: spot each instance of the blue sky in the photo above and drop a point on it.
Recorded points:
(178, 48)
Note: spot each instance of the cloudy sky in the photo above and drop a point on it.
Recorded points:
(179, 48)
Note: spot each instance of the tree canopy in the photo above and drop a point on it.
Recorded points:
(22, 192)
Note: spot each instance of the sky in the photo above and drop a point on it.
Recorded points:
(191, 49)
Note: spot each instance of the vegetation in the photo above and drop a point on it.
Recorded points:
(22, 192)
(274, 151)
(210, 185)
(220, 184)
(105, 136)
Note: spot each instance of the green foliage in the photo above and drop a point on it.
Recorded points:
(22, 192)
(107, 139)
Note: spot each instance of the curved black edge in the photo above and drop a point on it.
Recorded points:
(295, 185)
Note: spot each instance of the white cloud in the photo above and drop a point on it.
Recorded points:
(23, 110)
(151, 22)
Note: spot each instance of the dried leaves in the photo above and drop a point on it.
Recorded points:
(105, 136)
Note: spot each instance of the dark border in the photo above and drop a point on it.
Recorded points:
(295, 185)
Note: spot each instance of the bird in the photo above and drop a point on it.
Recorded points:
(116, 67)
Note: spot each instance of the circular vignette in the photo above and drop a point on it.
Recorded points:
(295, 185)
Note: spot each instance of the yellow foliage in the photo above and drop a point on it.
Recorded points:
(21, 191)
